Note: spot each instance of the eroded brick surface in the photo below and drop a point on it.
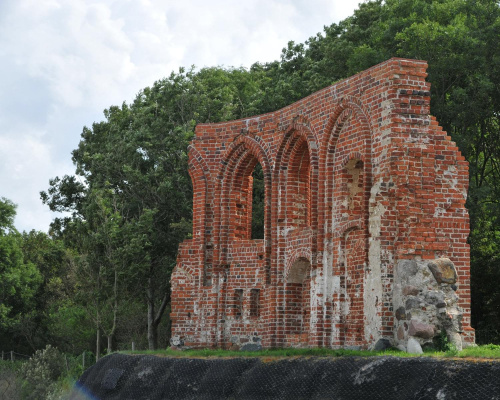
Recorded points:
(359, 177)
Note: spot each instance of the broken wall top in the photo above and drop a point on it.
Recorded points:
(407, 149)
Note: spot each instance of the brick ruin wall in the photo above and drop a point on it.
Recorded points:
(362, 187)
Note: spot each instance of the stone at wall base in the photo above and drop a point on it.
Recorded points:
(401, 347)
(382, 344)
(176, 341)
(455, 340)
(414, 347)
(251, 347)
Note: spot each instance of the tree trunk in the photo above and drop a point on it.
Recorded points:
(154, 320)
(98, 319)
(110, 344)
(152, 331)
(98, 344)
(111, 334)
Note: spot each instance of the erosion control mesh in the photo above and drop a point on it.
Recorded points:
(146, 377)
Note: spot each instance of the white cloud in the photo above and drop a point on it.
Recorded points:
(62, 62)
(27, 163)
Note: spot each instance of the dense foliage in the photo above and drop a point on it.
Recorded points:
(104, 269)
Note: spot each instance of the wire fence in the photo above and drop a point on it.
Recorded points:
(85, 359)
(14, 356)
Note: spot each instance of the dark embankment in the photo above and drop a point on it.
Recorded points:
(146, 377)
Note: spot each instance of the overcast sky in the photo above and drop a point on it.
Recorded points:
(62, 62)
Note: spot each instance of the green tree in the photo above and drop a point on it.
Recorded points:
(49, 257)
(20, 279)
(7, 215)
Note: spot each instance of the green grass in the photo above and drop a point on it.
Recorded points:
(485, 351)
(321, 352)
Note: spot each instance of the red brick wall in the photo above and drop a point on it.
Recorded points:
(358, 177)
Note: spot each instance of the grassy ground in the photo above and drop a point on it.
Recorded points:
(489, 351)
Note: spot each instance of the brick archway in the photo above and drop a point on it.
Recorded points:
(233, 180)
(346, 174)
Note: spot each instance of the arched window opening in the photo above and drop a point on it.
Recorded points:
(247, 199)
(241, 198)
(298, 187)
(258, 204)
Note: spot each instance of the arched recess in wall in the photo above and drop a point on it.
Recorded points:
(346, 170)
(258, 203)
(296, 174)
(200, 178)
(296, 178)
(234, 188)
(297, 304)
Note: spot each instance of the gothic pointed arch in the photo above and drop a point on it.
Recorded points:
(347, 166)
(296, 177)
(346, 173)
(234, 185)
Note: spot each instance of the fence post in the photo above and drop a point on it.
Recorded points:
(2, 355)
(83, 360)
(12, 355)
(133, 346)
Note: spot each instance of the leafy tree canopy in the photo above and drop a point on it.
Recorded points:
(20, 278)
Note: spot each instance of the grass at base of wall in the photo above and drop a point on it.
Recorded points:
(485, 351)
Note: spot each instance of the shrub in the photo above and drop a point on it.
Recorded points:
(42, 371)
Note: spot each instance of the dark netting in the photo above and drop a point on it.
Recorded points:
(146, 377)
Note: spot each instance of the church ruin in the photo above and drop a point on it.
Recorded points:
(363, 192)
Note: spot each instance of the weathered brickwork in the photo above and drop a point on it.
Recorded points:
(359, 178)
